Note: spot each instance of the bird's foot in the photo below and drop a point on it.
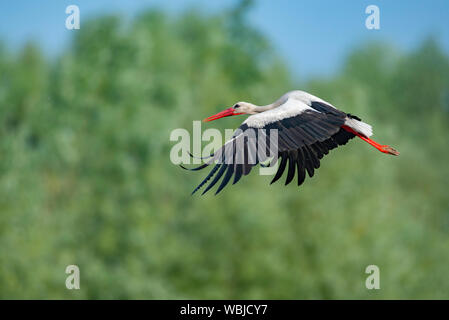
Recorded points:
(389, 150)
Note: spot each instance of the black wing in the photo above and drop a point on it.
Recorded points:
(301, 142)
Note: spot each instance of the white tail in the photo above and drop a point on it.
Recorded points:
(359, 126)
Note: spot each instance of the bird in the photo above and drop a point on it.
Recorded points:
(307, 128)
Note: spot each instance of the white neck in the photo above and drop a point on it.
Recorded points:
(277, 103)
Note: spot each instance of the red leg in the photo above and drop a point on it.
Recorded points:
(381, 148)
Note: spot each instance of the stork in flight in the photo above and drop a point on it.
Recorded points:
(307, 128)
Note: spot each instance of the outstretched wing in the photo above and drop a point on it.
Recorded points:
(235, 158)
(302, 136)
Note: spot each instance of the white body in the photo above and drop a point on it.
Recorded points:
(292, 104)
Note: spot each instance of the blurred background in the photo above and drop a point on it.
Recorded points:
(86, 178)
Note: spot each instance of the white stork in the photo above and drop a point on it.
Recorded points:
(307, 128)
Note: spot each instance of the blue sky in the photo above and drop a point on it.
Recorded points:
(313, 36)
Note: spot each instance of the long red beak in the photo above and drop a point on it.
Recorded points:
(222, 114)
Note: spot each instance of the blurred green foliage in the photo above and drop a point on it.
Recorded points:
(86, 179)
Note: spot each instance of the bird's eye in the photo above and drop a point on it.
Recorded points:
(236, 106)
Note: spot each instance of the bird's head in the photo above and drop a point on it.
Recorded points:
(236, 109)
